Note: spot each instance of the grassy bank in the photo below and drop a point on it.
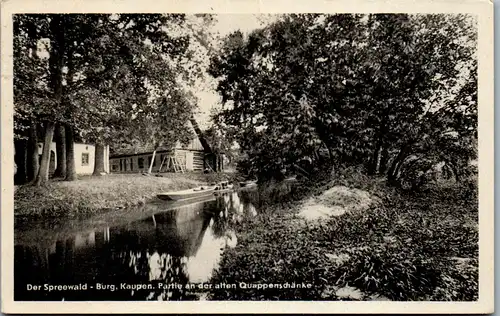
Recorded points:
(401, 246)
(90, 195)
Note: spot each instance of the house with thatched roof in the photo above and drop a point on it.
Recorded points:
(197, 155)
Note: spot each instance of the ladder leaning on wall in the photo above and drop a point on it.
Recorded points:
(172, 161)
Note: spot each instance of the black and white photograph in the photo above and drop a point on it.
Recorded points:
(247, 156)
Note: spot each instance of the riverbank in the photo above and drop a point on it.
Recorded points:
(357, 239)
(91, 195)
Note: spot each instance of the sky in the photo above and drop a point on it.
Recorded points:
(227, 23)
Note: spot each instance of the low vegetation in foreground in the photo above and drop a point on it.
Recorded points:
(97, 194)
(385, 245)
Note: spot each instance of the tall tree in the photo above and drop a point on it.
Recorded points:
(56, 64)
(60, 151)
(30, 92)
(360, 85)
(135, 93)
(32, 153)
(70, 154)
(106, 77)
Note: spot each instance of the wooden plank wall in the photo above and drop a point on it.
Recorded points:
(198, 161)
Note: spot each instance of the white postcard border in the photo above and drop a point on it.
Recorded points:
(483, 9)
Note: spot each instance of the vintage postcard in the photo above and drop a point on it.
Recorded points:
(236, 156)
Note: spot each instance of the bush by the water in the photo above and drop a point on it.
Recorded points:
(406, 248)
(409, 246)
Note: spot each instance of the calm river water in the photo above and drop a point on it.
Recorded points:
(161, 246)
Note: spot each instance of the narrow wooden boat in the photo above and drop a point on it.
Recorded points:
(186, 194)
(248, 183)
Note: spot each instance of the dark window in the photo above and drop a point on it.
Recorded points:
(85, 159)
(140, 163)
(131, 163)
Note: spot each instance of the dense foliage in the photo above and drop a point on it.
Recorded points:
(396, 93)
(103, 77)
(411, 246)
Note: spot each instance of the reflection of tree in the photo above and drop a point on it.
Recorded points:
(220, 224)
(164, 251)
(250, 197)
(143, 255)
(274, 192)
(231, 211)
(160, 249)
(31, 264)
(35, 264)
(155, 268)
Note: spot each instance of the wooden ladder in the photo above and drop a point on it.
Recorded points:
(178, 167)
(172, 160)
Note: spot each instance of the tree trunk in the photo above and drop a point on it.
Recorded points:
(99, 160)
(396, 166)
(20, 159)
(330, 153)
(379, 159)
(453, 169)
(60, 152)
(70, 155)
(304, 173)
(391, 173)
(56, 64)
(403, 153)
(43, 173)
(32, 143)
(150, 169)
(391, 176)
(397, 171)
(68, 128)
(33, 153)
(457, 174)
(383, 160)
(375, 161)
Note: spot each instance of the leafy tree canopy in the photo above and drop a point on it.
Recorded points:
(356, 86)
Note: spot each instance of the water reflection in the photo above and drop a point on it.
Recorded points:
(163, 251)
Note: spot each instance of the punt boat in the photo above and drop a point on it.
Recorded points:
(248, 183)
(187, 194)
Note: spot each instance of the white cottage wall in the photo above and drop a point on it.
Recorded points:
(84, 157)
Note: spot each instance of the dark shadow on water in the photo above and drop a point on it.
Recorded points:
(161, 249)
